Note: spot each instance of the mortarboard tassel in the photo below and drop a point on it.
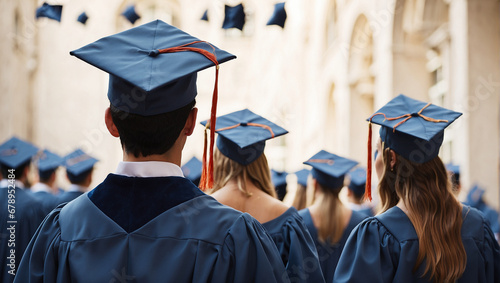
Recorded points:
(207, 176)
(368, 186)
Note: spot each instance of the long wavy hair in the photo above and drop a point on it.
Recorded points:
(257, 172)
(435, 213)
(330, 212)
(300, 199)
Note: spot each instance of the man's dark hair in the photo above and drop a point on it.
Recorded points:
(18, 171)
(148, 135)
(45, 175)
(80, 178)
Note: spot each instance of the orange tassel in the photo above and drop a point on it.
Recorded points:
(207, 178)
(203, 179)
(368, 188)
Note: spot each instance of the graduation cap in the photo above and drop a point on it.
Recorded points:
(48, 161)
(475, 196)
(49, 11)
(153, 69)
(279, 181)
(455, 170)
(412, 128)
(16, 152)
(130, 14)
(78, 162)
(302, 176)
(358, 181)
(279, 15)
(234, 17)
(329, 169)
(82, 18)
(205, 16)
(243, 134)
(192, 170)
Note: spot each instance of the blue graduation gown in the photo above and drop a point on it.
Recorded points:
(329, 254)
(48, 200)
(28, 214)
(384, 248)
(68, 196)
(158, 229)
(296, 247)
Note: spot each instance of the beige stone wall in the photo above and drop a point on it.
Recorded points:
(335, 63)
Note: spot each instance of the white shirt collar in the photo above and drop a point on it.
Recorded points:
(4, 183)
(148, 169)
(76, 188)
(40, 187)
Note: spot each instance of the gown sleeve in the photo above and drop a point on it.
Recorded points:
(298, 247)
(249, 255)
(368, 255)
(40, 260)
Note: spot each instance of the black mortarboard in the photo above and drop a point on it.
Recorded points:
(49, 11)
(82, 18)
(234, 17)
(130, 14)
(279, 15)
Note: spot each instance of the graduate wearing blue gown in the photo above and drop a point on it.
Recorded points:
(328, 174)
(475, 199)
(146, 222)
(242, 181)
(356, 192)
(384, 248)
(453, 241)
(17, 227)
(47, 163)
(79, 167)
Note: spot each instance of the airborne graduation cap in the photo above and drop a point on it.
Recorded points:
(82, 18)
(130, 14)
(234, 17)
(153, 68)
(243, 134)
(49, 11)
(279, 15)
(412, 128)
(329, 169)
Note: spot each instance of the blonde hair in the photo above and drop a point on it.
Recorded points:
(435, 213)
(299, 201)
(331, 227)
(257, 172)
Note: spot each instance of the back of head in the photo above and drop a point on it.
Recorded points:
(426, 191)
(15, 157)
(328, 171)
(257, 172)
(148, 135)
(80, 178)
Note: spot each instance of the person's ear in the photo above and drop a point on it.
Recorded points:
(190, 122)
(392, 155)
(110, 124)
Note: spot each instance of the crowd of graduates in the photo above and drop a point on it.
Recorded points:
(222, 219)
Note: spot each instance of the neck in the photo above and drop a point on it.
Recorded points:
(167, 157)
(402, 206)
